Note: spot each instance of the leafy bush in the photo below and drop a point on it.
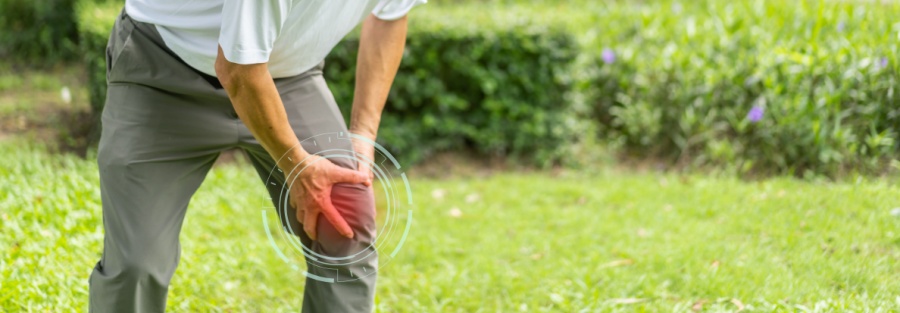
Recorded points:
(777, 86)
(38, 30)
(786, 86)
(497, 89)
(94, 24)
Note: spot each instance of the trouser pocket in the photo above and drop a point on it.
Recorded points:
(118, 40)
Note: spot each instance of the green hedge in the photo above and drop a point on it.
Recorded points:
(38, 31)
(687, 74)
(497, 89)
(95, 21)
(667, 79)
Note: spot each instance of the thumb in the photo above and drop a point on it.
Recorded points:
(310, 219)
(343, 175)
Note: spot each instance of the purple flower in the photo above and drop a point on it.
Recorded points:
(755, 114)
(882, 63)
(841, 26)
(608, 56)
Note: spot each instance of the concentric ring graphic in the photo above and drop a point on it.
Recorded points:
(390, 236)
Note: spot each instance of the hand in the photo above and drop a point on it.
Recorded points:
(367, 151)
(311, 194)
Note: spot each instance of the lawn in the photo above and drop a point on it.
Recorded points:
(589, 241)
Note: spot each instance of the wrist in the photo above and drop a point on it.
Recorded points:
(293, 160)
(370, 134)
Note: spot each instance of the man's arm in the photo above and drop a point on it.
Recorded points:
(381, 45)
(258, 104)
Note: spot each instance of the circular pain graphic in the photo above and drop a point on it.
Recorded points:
(333, 258)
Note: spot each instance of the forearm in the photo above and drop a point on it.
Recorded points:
(258, 104)
(381, 47)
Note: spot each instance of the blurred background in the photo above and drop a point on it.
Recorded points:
(566, 156)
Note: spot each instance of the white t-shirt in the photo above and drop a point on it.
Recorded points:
(293, 36)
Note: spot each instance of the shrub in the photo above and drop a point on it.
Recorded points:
(38, 30)
(95, 21)
(666, 78)
(496, 88)
(686, 76)
(492, 85)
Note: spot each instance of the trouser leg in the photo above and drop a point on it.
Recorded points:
(343, 271)
(149, 169)
(143, 210)
(163, 127)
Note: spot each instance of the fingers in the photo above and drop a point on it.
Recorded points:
(317, 190)
(366, 170)
(310, 217)
(365, 154)
(334, 217)
(292, 201)
(299, 212)
(301, 217)
(343, 175)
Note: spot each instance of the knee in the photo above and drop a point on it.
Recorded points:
(356, 203)
(142, 265)
(142, 270)
(112, 161)
(108, 159)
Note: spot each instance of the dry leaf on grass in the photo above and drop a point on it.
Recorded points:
(738, 304)
(627, 300)
(643, 233)
(699, 305)
(438, 193)
(616, 263)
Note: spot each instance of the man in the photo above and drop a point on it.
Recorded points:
(189, 79)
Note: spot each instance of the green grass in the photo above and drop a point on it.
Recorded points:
(589, 242)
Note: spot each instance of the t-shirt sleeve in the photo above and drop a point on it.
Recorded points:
(250, 27)
(390, 10)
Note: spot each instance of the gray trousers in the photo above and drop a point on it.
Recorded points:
(164, 125)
